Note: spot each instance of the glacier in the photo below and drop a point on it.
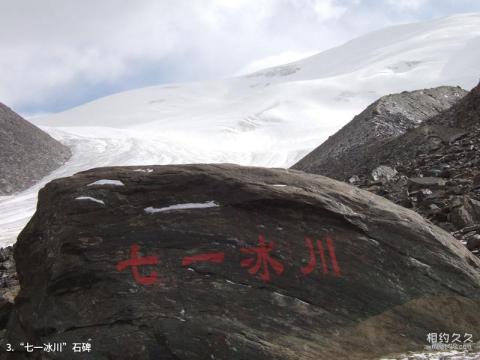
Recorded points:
(271, 118)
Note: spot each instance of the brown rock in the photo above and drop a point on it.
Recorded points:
(474, 243)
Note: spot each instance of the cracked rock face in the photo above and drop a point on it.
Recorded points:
(348, 271)
(27, 154)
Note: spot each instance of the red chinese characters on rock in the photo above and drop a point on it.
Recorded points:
(313, 259)
(217, 257)
(135, 262)
(262, 259)
(259, 263)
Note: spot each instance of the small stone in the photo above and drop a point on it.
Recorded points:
(476, 182)
(433, 172)
(465, 212)
(383, 173)
(354, 179)
(426, 182)
(473, 243)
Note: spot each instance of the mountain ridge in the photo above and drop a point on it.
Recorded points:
(27, 153)
(388, 117)
(432, 168)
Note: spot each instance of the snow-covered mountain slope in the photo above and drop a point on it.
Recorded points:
(269, 118)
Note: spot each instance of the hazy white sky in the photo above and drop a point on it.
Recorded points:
(55, 54)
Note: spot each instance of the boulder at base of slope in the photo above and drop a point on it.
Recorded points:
(229, 262)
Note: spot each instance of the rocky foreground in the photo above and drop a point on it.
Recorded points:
(27, 154)
(228, 262)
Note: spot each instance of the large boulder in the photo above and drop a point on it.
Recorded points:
(27, 153)
(229, 262)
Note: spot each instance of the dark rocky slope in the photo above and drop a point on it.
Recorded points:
(388, 117)
(350, 274)
(465, 114)
(433, 169)
(9, 286)
(27, 154)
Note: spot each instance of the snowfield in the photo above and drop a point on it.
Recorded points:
(269, 118)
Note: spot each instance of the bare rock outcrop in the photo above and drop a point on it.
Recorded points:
(433, 169)
(345, 153)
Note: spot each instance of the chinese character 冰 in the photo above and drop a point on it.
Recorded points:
(54, 347)
(263, 258)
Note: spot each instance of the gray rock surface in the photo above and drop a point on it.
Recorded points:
(9, 285)
(386, 278)
(27, 153)
(464, 114)
(383, 173)
(438, 169)
(388, 117)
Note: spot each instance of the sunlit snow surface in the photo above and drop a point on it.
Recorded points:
(269, 118)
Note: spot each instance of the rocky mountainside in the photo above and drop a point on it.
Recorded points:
(433, 169)
(26, 153)
(230, 262)
(388, 117)
(465, 114)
